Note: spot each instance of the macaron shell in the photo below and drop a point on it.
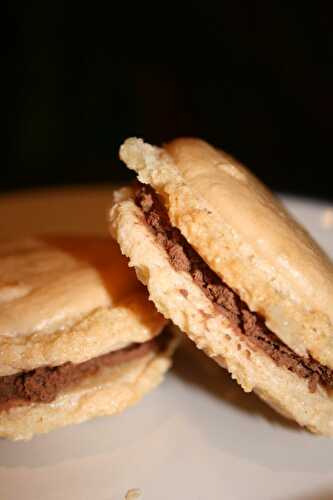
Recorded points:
(237, 197)
(68, 299)
(246, 236)
(47, 283)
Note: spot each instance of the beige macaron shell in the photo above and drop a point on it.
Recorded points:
(246, 236)
(68, 299)
(109, 392)
(177, 297)
(48, 283)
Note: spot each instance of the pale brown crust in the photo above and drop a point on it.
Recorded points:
(92, 302)
(244, 321)
(177, 297)
(258, 249)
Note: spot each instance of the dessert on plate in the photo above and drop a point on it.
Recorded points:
(223, 259)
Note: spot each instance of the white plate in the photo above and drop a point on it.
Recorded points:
(198, 436)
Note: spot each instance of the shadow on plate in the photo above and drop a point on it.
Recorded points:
(243, 425)
(212, 378)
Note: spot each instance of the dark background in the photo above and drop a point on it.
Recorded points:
(254, 78)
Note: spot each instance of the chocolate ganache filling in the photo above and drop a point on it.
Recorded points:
(244, 322)
(43, 384)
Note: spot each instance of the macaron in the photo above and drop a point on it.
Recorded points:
(224, 260)
(78, 336)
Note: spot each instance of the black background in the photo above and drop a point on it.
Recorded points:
(251, 77)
